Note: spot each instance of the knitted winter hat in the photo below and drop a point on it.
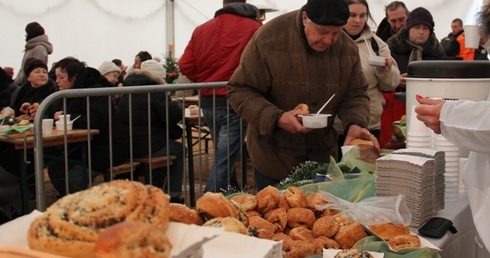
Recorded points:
(33, 30)
(327, 12)
(154, 67)
(420, 15)
(33, 63)
(107, 67)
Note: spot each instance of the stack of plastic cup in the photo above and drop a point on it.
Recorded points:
(451, 175)
(418, 135)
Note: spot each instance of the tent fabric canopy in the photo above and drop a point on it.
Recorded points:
(100, 30)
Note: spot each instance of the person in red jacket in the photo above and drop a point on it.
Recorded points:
(212, 55)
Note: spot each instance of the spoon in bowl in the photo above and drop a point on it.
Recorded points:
(75, 118)
(324, 105)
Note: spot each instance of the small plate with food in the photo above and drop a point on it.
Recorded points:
(398, 236)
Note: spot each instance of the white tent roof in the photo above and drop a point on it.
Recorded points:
(100, 30)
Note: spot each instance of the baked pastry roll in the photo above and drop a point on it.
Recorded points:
(133, 239)
(72, 225)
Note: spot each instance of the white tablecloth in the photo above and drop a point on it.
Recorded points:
(461, 244)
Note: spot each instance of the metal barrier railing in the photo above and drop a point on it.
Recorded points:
(126, 90)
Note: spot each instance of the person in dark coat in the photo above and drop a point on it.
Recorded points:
(7, 87)
(73, 74)
(416, 41)
(36, 88)
(158, 128)
(396, 18)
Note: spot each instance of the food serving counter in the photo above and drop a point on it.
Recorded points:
(461, 244)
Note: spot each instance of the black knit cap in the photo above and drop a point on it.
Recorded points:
(33, 30)
(327, 12)
(420, 15)
(33, 63)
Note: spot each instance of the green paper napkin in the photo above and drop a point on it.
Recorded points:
(19, 129)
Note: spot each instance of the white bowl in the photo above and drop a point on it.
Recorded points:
(313, 121)
(376, 61)
(60, 125)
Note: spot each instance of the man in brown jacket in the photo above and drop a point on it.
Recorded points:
(299, 57)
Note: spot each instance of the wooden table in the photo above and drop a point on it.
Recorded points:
(49, 140)
(57, 138)
(187, 101)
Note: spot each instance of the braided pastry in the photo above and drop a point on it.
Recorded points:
(72, 225)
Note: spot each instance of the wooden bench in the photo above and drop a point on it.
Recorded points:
(156, 162)
(126, 167)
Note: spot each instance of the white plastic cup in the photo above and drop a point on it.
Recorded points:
(48, 126)
(62, 118)
(416, 127)
(471, 36)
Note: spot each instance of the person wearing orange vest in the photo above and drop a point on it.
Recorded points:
(465, 53)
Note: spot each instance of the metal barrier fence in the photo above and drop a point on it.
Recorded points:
(188, 165)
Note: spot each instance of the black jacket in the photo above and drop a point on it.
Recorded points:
(7, 87)
(158, 112)
(401, 49)
(26, 93)
(99, 119)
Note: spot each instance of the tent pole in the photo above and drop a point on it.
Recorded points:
(170, 35)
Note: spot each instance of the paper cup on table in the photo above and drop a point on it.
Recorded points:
(416, 127)
(471, 36)
(48, 126)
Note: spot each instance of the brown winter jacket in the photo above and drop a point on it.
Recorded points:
(277, 71)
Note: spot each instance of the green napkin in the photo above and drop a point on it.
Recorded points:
(19, 129)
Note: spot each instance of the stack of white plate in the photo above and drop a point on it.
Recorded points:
(438, 175)
(413, 177)
(451, 175)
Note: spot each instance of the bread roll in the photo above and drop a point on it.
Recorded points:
(133, 239)
(302, 106)
(230, 224)
(349, 235)
(278, 218)
(295, 197)
(258, 222)
(300, 217)
(267, 199)
(357, 142)
(248, 201)
(301, 233)
(404, 241)
(298, 249)
(72, 225)
(325, 226)
(213, 205)
(184, 214)
(322, 242)
(389, 230)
